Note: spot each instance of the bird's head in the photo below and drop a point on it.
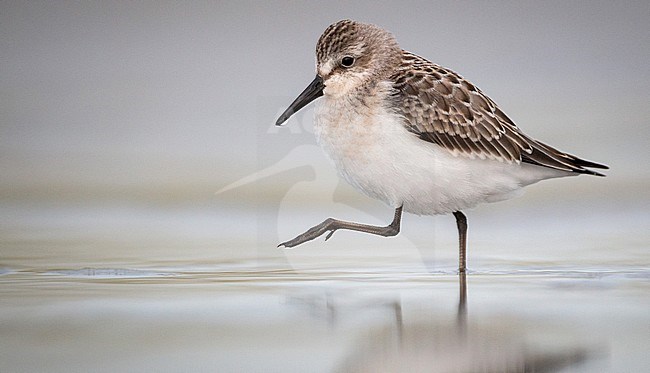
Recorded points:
(349, 55)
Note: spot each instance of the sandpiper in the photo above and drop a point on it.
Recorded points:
(416, 135)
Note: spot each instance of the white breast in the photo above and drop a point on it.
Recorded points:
(375, 153)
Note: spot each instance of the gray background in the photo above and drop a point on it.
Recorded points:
(176, 100)
(120, 120)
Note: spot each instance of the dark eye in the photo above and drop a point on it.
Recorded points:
(347, 61)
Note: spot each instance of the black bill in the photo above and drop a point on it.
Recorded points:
(313, 91)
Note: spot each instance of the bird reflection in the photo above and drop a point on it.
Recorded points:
(433, 344)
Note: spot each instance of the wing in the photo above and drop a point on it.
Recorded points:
(443, 108)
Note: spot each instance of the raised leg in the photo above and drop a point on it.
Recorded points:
(331, 225)
(461, 223)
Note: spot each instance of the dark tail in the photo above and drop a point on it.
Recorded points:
(547, 156)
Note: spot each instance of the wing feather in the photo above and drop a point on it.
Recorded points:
(443, 108)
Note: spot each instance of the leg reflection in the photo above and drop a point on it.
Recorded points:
(461, 315)
(424, 340)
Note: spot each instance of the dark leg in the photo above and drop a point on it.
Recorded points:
(331, 225)
(461, 222)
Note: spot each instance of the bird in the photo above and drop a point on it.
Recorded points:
(415, 135)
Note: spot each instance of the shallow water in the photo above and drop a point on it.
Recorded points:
(138, 287)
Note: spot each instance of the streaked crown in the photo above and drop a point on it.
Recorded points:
(349, 53)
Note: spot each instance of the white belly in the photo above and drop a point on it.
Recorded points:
(376, 154)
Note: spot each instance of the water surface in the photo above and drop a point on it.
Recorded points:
(115, 287)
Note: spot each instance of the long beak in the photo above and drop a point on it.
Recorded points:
(313, 91)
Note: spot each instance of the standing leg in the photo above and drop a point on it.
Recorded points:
(331, 225)
(461, 223)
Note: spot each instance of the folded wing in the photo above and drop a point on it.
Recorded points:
(443, 108)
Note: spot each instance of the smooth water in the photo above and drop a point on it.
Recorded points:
(143, 287)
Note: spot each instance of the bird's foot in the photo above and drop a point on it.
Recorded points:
(328, 225)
